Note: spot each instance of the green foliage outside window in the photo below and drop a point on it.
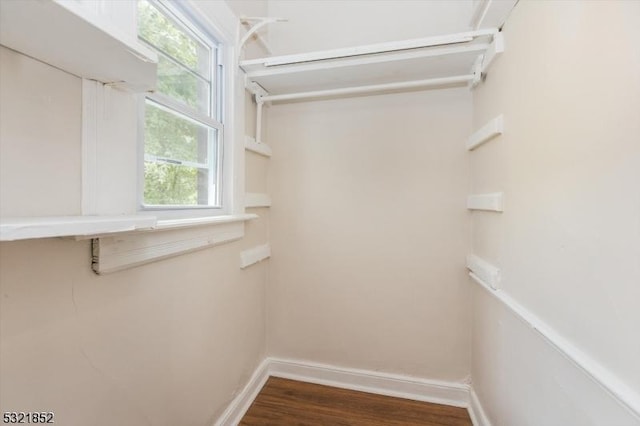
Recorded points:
(182, 63)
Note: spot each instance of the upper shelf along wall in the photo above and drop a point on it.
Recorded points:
(453, 59)
(442, 61)
(72, 37)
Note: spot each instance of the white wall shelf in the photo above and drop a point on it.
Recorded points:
(441, 61)
(254, 255)
(168, 239)
(24, 228)
(261, 148)
(493, 202)
(85, 227)
(254, 199)
(72, 37)
(489, 131)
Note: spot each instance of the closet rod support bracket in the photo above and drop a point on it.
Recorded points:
(260, 22)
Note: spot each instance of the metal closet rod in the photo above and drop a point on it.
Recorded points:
(370, 88)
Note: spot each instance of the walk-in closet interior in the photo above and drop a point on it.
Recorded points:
(428, 199)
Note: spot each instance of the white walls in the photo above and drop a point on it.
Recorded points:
(568, 242)
(369, 233)
(164, 344)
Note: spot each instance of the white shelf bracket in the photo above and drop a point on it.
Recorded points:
(484, 61)
(254, 255)
(489, 131)
(476, 70)
(259, 93)
(256, 199)
(495, 49)
(492, 202)
(259, 23)
(261, 148)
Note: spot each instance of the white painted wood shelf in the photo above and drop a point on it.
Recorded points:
(24, 228)
(440, 61)
(169, 238)
(71, 37)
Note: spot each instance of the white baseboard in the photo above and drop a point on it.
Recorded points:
(241, 403)
(400, 386)
(476, 412)
(440, 392)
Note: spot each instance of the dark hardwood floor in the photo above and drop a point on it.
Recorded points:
(288, 402)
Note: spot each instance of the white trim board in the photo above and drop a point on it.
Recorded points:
(494, 128)
(261, 148)
(440, 392)
(485, 271)
(241, 403)
(408, 387)
(254, 199)
(254, 255)
(493, 202)
(110, 254)
(608, 381)
(23, 228)
(476, 412)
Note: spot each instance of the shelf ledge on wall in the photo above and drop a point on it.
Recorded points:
(25, 228)
(167, 239)
(484, 271)
(489, 131)
(438, 61)
(254, 199)
(69, 36)
(254, 255)
(121, 242)
(493, 202)
(261, 148)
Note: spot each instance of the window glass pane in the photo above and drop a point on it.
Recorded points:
(156, 29)
(179, 83)
(170, 184)
(181, 153)
(168, 135)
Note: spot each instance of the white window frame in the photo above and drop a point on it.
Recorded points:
(222, 88)
(123, 236)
